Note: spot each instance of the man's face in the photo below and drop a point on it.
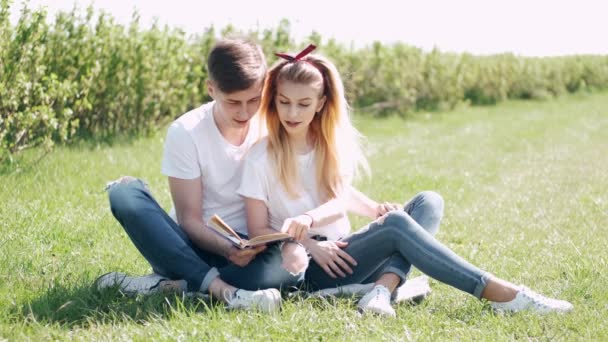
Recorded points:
(236, 109)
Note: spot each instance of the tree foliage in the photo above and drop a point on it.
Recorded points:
(82, 75)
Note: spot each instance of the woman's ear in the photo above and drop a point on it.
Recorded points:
(321, 103)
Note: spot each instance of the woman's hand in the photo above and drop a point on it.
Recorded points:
(385, 207)
(297, 226)
(295, 259)
(330, 257)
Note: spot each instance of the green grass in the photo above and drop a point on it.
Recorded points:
(526, 190)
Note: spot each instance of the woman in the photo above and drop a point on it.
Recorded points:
(298, 179)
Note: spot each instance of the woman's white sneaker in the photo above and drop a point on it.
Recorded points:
(267, 300)
(527, 299)
(378, 301)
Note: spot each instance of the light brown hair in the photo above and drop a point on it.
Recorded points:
(236, 64)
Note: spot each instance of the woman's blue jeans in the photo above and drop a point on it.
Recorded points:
(400, 240)
(173, 255)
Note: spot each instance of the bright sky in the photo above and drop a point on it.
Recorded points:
(525, 27)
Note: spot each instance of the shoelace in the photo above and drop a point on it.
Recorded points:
(381, 291)
(537, 300)
(229, 297)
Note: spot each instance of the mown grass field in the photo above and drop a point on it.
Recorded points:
(526, 191)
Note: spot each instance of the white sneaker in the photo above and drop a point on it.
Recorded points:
(350, 290)
(414, 290)
(267, 300)
(145, 285)
(378, 301)
(527, 299)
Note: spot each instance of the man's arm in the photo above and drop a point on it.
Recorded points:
(187, 195)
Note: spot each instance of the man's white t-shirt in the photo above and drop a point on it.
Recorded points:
(195, 147)
(260, 182)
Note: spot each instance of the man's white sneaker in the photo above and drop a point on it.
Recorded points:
(267, 300)
(145, 285)
(378, 301)
(527, 299)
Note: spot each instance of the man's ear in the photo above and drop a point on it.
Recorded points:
(210, 88)
(321, 103)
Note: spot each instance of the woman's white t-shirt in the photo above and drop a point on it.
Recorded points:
(259, 181)
(195, 147)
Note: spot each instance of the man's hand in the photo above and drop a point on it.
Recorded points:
(242, 257)
(331, 258)
(385, 207)
(297, 226)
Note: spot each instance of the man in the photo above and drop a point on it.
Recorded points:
(203, 161)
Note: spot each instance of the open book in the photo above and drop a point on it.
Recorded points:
(218, 225)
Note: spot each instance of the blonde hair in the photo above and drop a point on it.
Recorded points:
(332, 134)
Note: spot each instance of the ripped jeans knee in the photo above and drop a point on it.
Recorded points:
(295, 258)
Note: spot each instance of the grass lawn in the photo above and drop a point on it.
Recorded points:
(526, 191)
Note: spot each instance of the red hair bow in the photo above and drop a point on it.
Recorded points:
(299, 56)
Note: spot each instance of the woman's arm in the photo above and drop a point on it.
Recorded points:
(358, 203)
(353, 201)
(326, 213)
(257, 218)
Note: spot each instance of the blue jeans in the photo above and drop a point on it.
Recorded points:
(403, 239)
(173, 255)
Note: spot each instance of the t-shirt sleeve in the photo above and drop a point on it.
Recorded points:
(180, 157)
(254, 183)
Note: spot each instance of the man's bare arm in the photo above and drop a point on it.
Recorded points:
(187, 195)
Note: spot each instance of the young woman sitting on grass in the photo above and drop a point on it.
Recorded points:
(298, 179)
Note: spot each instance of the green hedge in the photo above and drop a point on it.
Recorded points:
(82, 75)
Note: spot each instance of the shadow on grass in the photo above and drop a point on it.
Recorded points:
(85, 307)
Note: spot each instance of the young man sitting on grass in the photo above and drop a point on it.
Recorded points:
(203, 161)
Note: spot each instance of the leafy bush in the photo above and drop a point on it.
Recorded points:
(83, 75)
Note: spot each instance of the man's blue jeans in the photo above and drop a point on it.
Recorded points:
(173, 255)
(400, 240)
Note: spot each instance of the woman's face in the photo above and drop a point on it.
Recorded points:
(297, 104)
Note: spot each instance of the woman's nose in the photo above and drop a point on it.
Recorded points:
(293, 112)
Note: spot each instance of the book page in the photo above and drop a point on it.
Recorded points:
(263, 239)
(219, 226)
